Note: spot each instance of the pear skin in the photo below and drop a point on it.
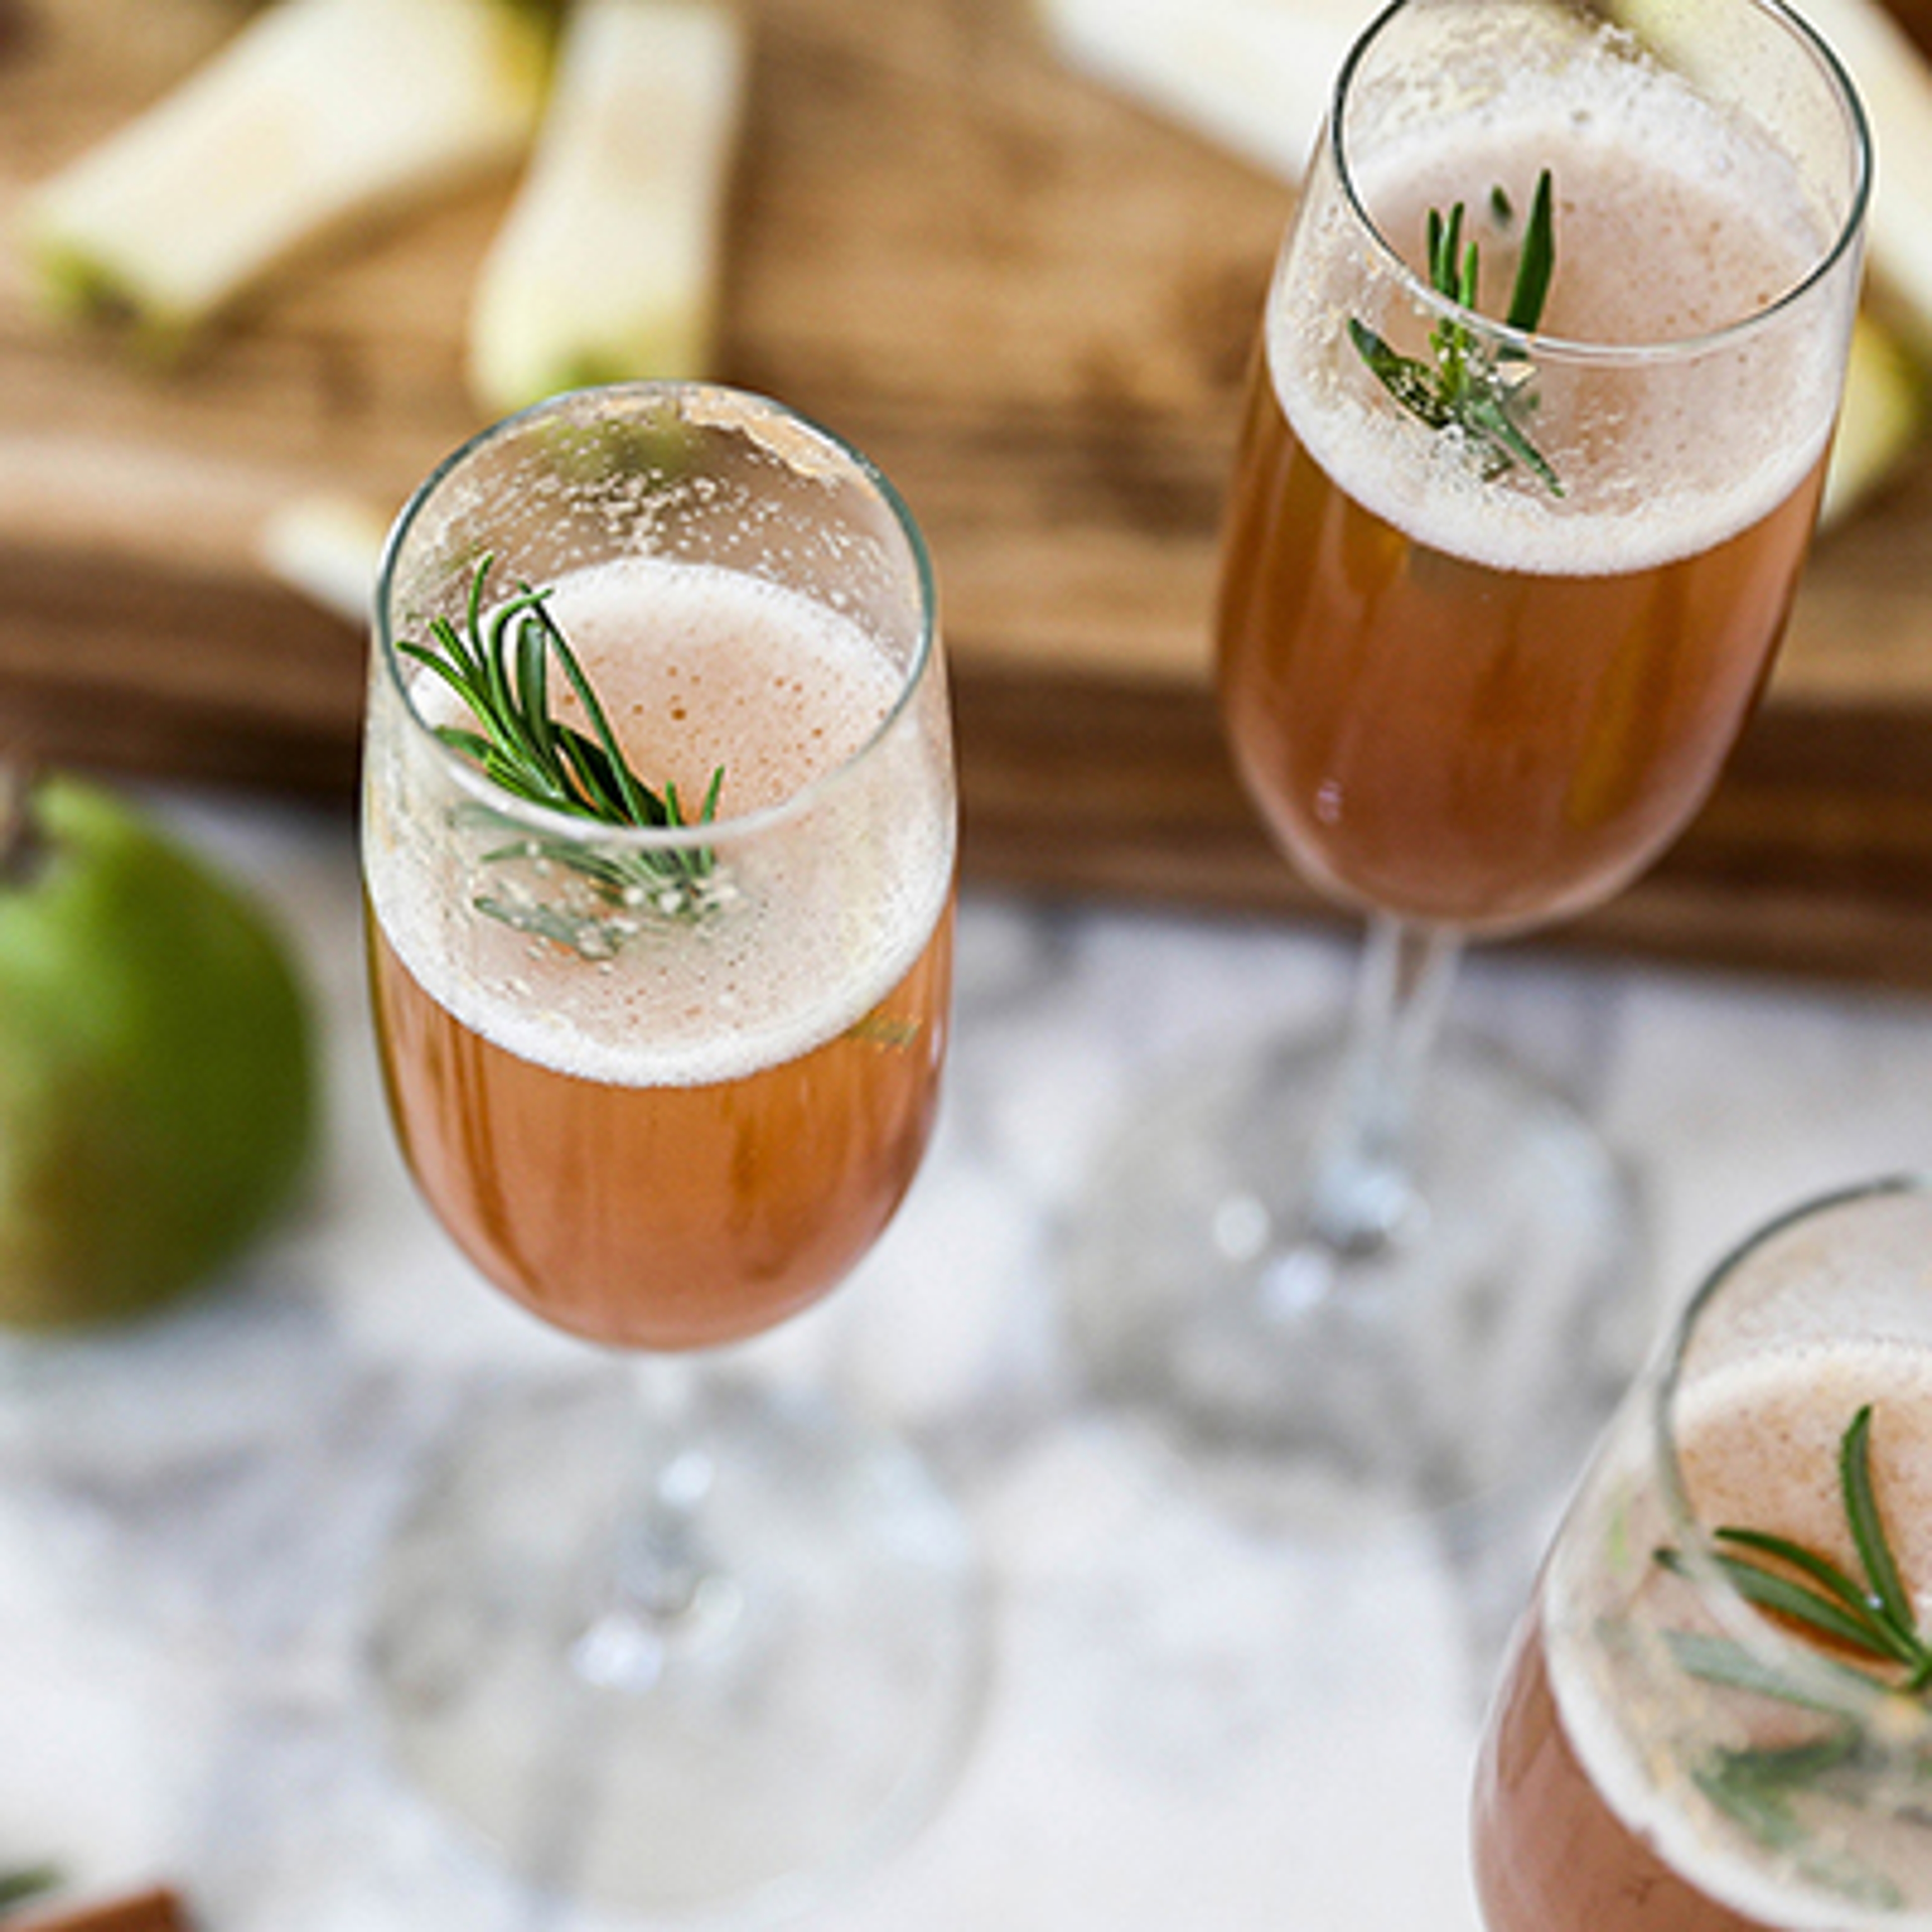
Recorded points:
(156, 1086)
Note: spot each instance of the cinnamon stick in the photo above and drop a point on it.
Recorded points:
(158, 1909)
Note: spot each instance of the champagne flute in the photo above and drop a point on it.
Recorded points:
(664, 1066)
(1534, 438)
(1698, 1731)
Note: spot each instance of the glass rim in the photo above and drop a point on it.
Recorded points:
(752, 407)
(1553, 348)
(1794, 1657)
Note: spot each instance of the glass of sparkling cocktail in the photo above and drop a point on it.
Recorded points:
(1716, 1716)
(658, 844)
(1533, 445)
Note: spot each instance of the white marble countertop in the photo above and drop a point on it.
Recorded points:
(1190, 1724)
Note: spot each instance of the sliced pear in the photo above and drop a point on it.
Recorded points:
(327, 547)
(608, 264)
(1253, 76)
(1881, 419)
(314, 114)
(1894, 81)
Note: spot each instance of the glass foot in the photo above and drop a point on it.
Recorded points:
(730, 1756)
(1468, 1352)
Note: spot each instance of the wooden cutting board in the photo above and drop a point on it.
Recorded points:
(1032, 303)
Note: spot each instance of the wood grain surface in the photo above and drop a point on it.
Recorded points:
(1032, 303)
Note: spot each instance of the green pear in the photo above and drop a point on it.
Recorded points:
(157, 1089)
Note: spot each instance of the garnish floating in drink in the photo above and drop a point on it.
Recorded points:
(1873, 1619)
(1466, 389)
(1869, 1631)
(499, 665)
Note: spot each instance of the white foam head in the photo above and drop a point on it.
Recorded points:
(1673, 221)
(816, 918)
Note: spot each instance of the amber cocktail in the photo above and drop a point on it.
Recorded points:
(1534, 438)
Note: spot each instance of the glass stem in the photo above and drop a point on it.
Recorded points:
(1364, 1192)
(661, 1588)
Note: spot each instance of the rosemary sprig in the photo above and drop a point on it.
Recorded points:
(1870, 1623)
(1465, 389)
(499, 666)
(1871, 1616)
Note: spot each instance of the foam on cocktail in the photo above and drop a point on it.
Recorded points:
(1758, 1444)
(697, 666)
(1672, 221)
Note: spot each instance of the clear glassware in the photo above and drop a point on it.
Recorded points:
(664, 1639)
(1496, 600)
(1667, 1751)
